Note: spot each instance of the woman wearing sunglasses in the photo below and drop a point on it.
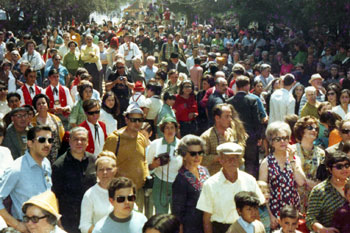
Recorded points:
(306, 131)
(328, 196)
(41, 214)
(281, 169)
(164, 164)
(41, 104)
(188, 184)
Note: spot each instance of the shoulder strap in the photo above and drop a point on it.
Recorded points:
(118, 144)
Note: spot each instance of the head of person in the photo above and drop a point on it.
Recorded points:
(330, 120)
(332, 94)
(230, 156)
(80, 71)
(344, 129)
(191, 148)
(122, 196)
(221, 85)
(30, 46)
(39, 141)
(89, 39)
(222, 115)
(146, 130)
(31, 113)
(72, 45)
(174, 58)
(298, 91)
(186, 88)
(323, 107)
(136, 61)
(205, 82)
(288, 81)
(41, 103)
(264, 187)
(110, 103)
(243, 83)
(162, 223)
(173, 75)
(30, 76)
(85, 90)
(54, 77)
(15, 56)
(150, 61)
(316, 81)
(3, 90)
(306, 128)
(344, 97)
(310, 93)
(170, 38)
(338, 165)
(127, 37)
(41, 212)
(278, 135)
(106, 167)
(168, 126)
(265, 70)
(13, 100)
(288, 219)
(247, 206)
(56, 59)
(6, 65)
(258, 87)
(92, 110)
(19, 118)
(134, 117)
(169, 98)
(78, 140)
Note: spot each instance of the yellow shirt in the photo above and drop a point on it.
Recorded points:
(86, 51)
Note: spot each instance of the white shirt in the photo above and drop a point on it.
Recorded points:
(190, 63)
(157, 147)
(20, 92)
(57, 98)
(5, 158)
(98, 142)
(4, 109)
(154, 104)
(138, 98)
(217, 196)
(2, 223)
(94, 206)
(265, 81)
(133, 51)
(35, 60)
(339, 110)
(109, 120)
(2, 50)
(11, 83)
(282, 103)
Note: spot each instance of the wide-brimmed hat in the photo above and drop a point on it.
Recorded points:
(314, 77)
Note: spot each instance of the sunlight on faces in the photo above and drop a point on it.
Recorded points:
(249, 213)
(40, 227)
(193, 161)
(40, 150)
(124, 209)
(78, 142)
(289, 225)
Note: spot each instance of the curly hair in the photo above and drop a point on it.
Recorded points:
(301, 125)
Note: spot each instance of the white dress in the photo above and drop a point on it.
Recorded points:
(108, 119)
(339, 110)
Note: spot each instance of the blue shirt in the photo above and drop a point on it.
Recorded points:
(149, 73)
(260, 106)
(63, 72)
(23, 180)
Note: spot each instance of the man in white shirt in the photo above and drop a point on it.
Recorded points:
(217, 197)
(190, 60)
(129, 50)
(282, 102)
(149, 69)
(29, 89)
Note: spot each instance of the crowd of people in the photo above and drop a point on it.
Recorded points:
(212, 128)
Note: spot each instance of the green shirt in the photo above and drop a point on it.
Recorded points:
(77, 115)
(72, 61)
(309, 110)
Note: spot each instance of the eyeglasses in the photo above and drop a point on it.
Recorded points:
(120, 67)
(34, 219)
(345, 131)
(42, 139)
(21, 115)
(278, 139)
(188, 87)
(133, 120)
(93, 113)
(310, 127)
(195, 153)
(331, 93)
(57, 59)
(121, 199)
(341, 166)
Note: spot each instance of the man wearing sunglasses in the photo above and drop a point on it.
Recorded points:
(217, 197)
(344, 129)
(28, 176)
(123, 218)
(129, 145)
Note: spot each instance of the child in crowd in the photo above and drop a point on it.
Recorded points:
(247, 205)
(263, 211)
(341, 219)
(288, 220)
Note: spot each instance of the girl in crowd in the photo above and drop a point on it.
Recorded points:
(110, 111)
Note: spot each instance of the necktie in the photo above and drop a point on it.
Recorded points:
(96, 133)
(55, 91)
(31, 89)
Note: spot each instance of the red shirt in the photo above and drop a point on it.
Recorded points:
(184, 106)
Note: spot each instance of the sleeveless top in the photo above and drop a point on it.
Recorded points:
(283, 187)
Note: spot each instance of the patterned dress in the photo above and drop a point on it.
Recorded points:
(283, 187)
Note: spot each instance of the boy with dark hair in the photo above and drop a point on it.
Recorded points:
(247, 204)
(288, 220)
(342, 215)
(121, 192)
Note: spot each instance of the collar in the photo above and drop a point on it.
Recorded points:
(222, 178)
(70, 157)
(33, 86)
(244, 223)
(122, 220)
(52, 87)
(30, 160)
(92, 125)
(171, 144)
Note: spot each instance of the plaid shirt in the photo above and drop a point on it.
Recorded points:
(324, 200)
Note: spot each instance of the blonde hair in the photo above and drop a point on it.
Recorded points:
(238, 128)
(106, 155)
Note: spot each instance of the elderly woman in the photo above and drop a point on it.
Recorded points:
(77, 115)
(41, 214)
(95, 204)
(135, 71)
(41, 104)
(281, 169)
(306, 131)
(188, 184)
(328, 196)
(164, 164)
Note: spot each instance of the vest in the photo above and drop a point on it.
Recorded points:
(26, 95)
(61, 96)
(91, 146)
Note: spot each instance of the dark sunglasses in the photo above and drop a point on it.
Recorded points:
(341, 166)
(331, 93)
(278, 139)
(195, 153)
(310, 127)
(121, 199)
(120, 67)
(93, 113)
(42, 139)
(34, 219)
(133, 120)
(345, 131)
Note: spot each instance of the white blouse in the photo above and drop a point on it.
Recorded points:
(108, 119)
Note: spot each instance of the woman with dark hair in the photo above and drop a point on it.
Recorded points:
(166, 109)
(298, 94)
(162, 223)
(286, 66)
(43, 117)
(274, 85)
(332, 94)
(188, 184)
(7, 76)
(47, 54)
(344, 104)
(57, 38)
(109, 111)
(186, 109)
(77, 115)
(328, 196)
(301, 53)
(331, 135)
(202, 118)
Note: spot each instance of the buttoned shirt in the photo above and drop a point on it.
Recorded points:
(62, 71)
(248, 227)
(85, 53)
(149, 72)
(217, 196)
(23, 180)
(131, 52)
(32, 93)
(282, 103)
(100, 141)
(56, 95)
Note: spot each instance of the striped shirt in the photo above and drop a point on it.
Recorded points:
(324, 200)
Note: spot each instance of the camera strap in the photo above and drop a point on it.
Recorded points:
(118, 144)
(166, 187)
